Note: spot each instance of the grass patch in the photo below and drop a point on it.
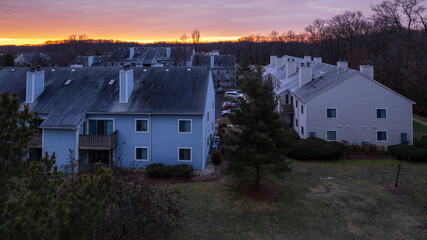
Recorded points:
(353, 205)
(419, 130)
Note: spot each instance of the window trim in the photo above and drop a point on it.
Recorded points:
(148, 154)
(191, 154)
(302, 130)
(148, 125)
(302, 109)
(336, 112)
(376, 113)
(191, 126)
(105, 119)
(386, 136)
(331, 130)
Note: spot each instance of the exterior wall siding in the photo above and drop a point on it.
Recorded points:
(356, 101)
(209, 128)
(60, 141)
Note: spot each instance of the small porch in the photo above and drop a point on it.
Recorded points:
(96, 151)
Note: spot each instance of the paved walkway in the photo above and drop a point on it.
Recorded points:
(421, 120)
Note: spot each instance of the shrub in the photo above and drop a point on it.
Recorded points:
(159, 170)
(407, 152)
(216, 157)
(316, 148)
(181, 170)
(422, 142)
(156, 170)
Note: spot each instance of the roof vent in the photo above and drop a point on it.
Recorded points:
(72, 70)
(188, 69)
(167, 70)
(13, 70)
(111, 82)
(144, 70)
(67, 82)
(53, 70)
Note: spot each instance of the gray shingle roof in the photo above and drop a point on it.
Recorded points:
(325, 76)
(157, 91)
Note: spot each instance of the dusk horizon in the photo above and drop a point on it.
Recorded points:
(26, 22)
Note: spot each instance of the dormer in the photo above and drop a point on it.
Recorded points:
(35, 84)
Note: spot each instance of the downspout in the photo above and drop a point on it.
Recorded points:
(150, 148)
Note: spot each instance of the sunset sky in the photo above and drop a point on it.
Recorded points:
(35, 21)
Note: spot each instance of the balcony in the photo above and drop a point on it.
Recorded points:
(36, 141)
(287, 108)
(91, 167)
(98, 142)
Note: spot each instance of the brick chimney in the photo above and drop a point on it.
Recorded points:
(35, 84)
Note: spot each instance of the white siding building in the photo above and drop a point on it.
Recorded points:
(336, 103)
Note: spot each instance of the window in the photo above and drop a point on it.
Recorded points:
(381, 113)
(302, 130)
(184, 126)
(296, 122)
(100, 127)
(141, 154)
(331, 113)
(296, 103)
(381, 136)
(207, 119)
(141, 125)
(213, 104)
(287, 99)
(331, 135)
(302, 109)
(184, 154)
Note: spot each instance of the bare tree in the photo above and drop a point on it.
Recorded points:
(195, 36)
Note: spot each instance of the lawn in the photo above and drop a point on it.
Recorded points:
(419, 130)
(352, 204)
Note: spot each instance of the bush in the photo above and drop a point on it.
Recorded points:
(422, 142)
(216, 157)
(156, 170)
(316, 148)
(159, 170)
(407, 152)
(181, 170)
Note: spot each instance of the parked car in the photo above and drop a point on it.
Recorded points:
(220, 90)
(227, 105)
(233, 95)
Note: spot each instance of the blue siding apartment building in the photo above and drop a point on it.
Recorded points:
(133, 117)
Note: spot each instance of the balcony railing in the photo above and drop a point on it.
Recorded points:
(287, 108)
(98, 142)
(36, 141)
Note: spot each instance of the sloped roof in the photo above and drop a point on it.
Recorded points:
(325, 76)
(180, 90)
(220, 61)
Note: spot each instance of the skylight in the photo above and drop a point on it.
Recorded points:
(67, 82)
(111, 82)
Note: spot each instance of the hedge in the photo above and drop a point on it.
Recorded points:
(408, 152)
(159, 170)
(316, 148)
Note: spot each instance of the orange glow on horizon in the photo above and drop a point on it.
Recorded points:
(23, 41)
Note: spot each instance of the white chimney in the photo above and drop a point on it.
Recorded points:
(342, 64)
(290, 68)
(35, 84)
(305, 74)
(307, 58)
(368, 70)
(318, 59)
(126, 84)
(89, 61)
(168, 52)
(131, 52)
(273, 60)
(212, 60)
(279, 63)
